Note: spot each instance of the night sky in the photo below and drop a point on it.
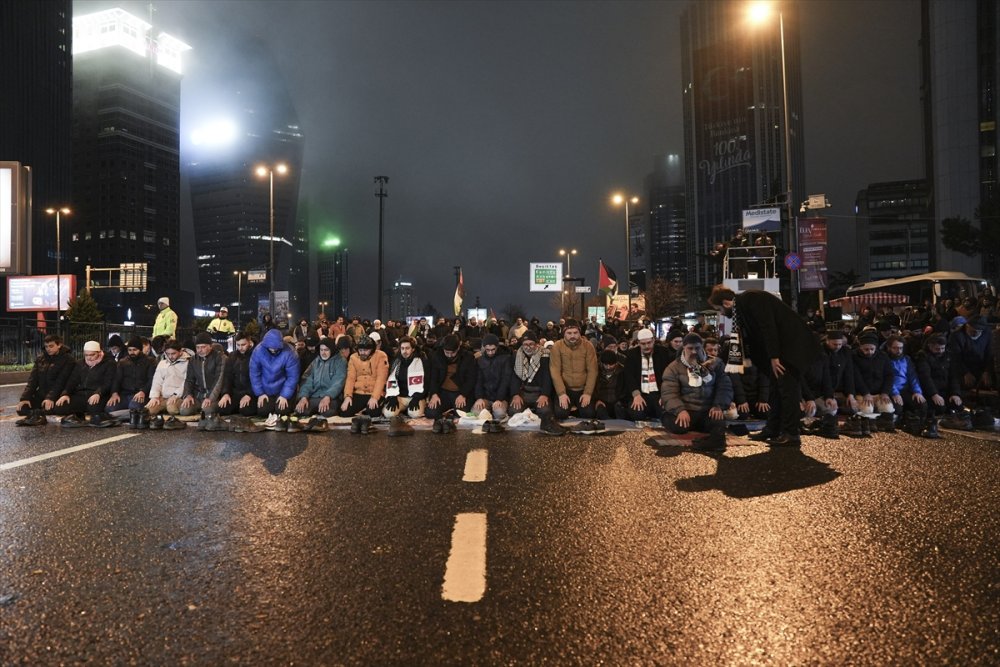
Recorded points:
(504, 127)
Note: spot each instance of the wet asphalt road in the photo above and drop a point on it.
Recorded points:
(260, 549)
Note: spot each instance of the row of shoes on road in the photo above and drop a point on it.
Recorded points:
(292, 424)
(550, 426)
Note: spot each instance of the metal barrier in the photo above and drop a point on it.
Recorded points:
(21, 339)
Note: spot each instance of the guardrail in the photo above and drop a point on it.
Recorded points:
(21, 339)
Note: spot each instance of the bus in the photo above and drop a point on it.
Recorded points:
(930, 287)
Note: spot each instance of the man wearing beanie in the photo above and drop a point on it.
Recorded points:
(205, 380)
(133, 380)
(774, 338)
(610, 393)
(88, 389)
(644, 366)
(493, 378)
(573, 365)
(872, 375)
(696, 391)
(166, 321)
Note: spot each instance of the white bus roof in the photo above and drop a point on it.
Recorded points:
(934, 276)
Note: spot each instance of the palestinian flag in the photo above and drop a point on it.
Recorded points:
(459, 294)
(607, 282)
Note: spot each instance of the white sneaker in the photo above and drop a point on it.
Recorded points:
(272, 421)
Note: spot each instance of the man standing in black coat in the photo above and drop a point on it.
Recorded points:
(778, 342)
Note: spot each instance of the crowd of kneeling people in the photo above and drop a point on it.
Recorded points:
(877, 376)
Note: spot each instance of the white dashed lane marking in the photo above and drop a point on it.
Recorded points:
(465, 572)
(475, 466)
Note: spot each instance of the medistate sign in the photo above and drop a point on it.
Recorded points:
(546, 277)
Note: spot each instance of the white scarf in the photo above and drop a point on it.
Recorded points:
(648, 382)
(414, 378)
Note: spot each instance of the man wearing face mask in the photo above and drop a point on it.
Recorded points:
(775, 339)
(696, 391)
(132, 383)
(274, 375)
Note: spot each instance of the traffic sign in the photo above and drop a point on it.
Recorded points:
(793, 261)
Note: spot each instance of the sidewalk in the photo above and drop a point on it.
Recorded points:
(19, 377)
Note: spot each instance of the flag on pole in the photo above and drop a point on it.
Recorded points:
(459, 294)
(607, 282)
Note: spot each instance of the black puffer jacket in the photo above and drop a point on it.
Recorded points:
(49, 375)
(89, 381)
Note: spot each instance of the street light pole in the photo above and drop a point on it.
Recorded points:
(239, 295)
(758, 13)
(622, 199)
(57, 211)
(569, 272)
(381, 182)
(269, 171)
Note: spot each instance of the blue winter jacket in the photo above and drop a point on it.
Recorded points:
(274, 367)
(904, 376)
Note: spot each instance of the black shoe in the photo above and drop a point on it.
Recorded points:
(33, 418)
(133, 418)
(156, 423)
(72, 421)
(492, 426)
(436, 428)
(785, 440)
(99, 420)
(293, 425)
(318, 424)
(886, 423)
(173, 424)
(361, 424)
(281, 426)
(550, 426)
(931, 430)
(866, 427)
(828, 428)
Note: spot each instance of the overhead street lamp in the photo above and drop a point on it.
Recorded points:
(619, 199)
(759, 13)
(262, 171)
(239, 295)
(63, 210)
(322, 307)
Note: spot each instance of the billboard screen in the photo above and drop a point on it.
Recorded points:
(33, 293)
